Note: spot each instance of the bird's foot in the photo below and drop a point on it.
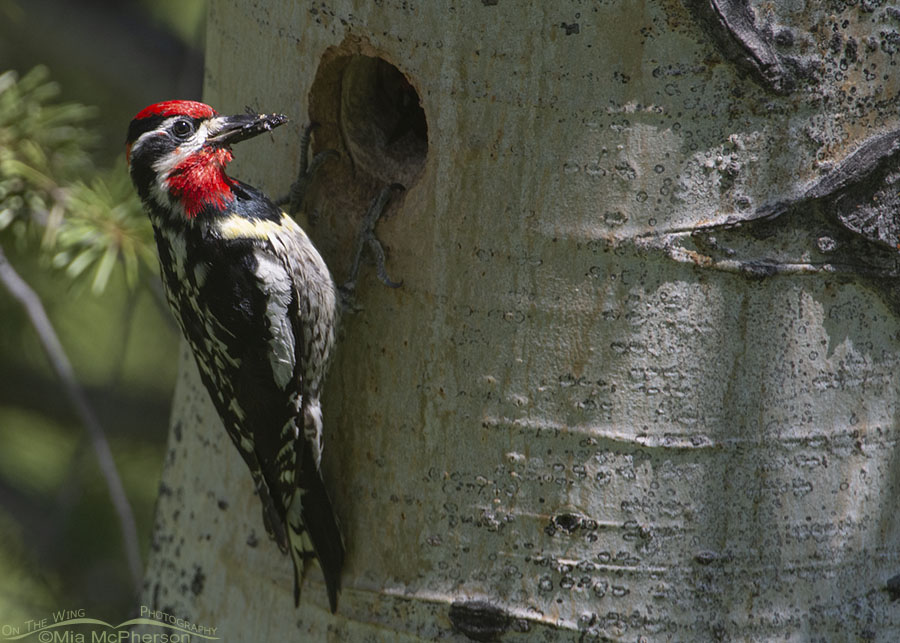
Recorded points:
(367, 239)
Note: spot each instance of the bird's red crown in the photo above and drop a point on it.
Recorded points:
(191, 108)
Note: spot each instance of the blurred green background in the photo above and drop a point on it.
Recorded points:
(71, 227)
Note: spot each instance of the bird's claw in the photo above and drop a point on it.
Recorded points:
(367, 239)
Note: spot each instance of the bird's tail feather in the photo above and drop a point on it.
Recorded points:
(313, 531)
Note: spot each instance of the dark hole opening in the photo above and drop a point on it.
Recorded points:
(379, 116)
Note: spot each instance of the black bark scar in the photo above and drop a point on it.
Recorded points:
(860, 193)
(479, 620)
(732, 26)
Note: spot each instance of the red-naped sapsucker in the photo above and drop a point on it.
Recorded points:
(258, 307)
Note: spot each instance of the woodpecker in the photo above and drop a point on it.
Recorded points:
(258, 306)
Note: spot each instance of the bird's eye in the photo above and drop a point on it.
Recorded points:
(182, 128)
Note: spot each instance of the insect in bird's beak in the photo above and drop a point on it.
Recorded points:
(225, 130)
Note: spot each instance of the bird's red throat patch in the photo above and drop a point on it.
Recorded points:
(200, 181)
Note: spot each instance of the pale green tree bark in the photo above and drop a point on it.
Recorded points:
(592, 409)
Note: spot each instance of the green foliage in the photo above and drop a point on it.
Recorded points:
(40, 146)
(104, 224)
(87, 228)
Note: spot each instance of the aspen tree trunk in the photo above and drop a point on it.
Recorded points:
(641, 379)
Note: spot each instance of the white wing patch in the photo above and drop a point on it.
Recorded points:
(278, 288)
(238, 227)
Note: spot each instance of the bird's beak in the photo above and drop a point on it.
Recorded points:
(225, 130)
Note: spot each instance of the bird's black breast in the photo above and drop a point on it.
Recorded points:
(230, 291)
(213, 284)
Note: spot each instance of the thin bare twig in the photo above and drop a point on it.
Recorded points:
(60, 362)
